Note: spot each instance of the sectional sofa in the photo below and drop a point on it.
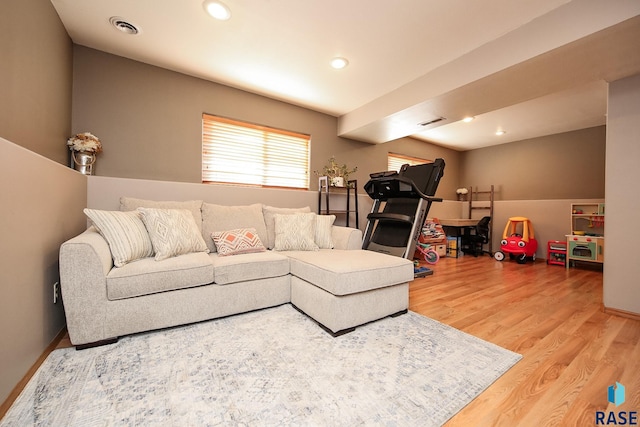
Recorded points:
(159, 264)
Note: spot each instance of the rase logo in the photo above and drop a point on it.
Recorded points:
(615, 395)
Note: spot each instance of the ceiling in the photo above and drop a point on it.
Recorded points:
(529, 67)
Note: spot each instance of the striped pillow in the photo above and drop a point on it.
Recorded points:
(238, 241)
(324, 224)
(124, 232)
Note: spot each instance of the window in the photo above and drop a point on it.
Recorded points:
(395, 161)
(235, 152)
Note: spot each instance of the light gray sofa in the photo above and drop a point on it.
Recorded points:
(340, 288)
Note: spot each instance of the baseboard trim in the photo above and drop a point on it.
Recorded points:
(621, 313)
(4, 408)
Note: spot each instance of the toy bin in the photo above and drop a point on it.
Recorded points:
(556, 252)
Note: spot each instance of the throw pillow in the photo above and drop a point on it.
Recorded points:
(269, 213)
(239, 241)
(324, 225)
(295, 232)
(124, 232)
(224, 218)
(194, 206)
(173, 232)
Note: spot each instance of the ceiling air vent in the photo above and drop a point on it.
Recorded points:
(124, 26)
(430, 122)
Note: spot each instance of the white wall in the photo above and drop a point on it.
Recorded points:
(105, 193)
(550, 218)
(622, 269)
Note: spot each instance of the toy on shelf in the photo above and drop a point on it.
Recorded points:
(518, 241)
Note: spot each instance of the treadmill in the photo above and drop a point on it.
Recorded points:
(401, 203)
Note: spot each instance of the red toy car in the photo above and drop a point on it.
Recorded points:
(518, 241)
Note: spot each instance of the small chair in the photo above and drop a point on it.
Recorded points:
(474, 242)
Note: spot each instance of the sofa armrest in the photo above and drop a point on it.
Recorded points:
(85, 261)
(346, 237)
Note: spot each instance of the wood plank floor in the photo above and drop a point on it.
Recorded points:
(572, 351)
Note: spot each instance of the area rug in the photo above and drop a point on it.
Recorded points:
(271, 367)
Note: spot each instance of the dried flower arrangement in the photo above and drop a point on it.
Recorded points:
(85, 142)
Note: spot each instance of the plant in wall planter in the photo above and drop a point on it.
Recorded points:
(84, 147)
(338, 174)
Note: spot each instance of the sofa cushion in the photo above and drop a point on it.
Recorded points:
(295, 232)
(345, 272)
(124, 232)
(173, 232)
(269, 213)
(225, 218)
(238, 241)
(193, 206)
(147, 276)
(261, 265)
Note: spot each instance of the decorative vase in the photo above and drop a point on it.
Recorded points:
(83, 161)
(462, 197)
(337, 181)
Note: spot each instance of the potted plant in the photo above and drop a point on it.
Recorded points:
(337, 174)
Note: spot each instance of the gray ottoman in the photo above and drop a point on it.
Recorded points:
(342, 289)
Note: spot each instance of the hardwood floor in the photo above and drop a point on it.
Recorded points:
(572, 350)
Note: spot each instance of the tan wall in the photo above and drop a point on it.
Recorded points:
(35, 78)
(41, 200)
(621, 268)
(42, 204)
(149, 120)
(562, 166)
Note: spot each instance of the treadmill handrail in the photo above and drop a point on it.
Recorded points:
(416, 189)
(391, 217)
(410, 182)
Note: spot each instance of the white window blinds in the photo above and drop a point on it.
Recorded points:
(395, 161)
(235, 152)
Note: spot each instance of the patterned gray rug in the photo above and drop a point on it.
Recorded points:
(267, 368)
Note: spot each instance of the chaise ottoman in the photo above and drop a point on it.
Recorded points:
(343, 289)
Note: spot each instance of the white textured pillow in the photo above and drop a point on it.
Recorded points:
(173, 232)
(269, 213)
(194, 206)
(295, 232)
(324, 224)
(124, 232)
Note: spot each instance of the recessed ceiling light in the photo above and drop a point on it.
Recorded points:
(500, 132)
(468, 119)
(339, 63)
(217, 9)
(124, 26)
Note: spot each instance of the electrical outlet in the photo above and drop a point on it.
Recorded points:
(55, 292)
